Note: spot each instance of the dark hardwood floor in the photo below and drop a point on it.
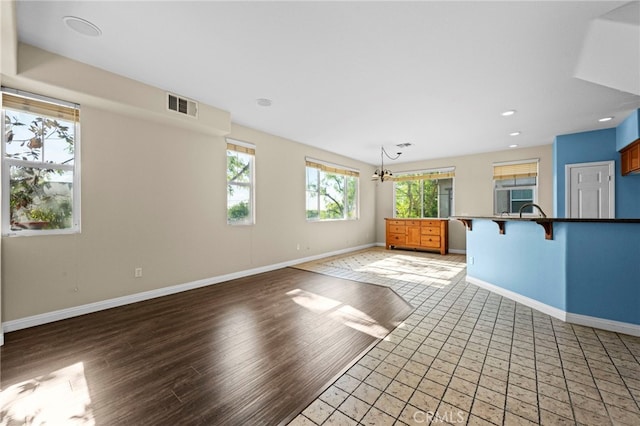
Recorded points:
(255, 350)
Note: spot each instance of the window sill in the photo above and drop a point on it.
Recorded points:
(40, 232)
(331, 220)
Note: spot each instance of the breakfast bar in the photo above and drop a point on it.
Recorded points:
(584, 271)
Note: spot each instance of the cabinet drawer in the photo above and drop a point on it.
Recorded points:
(404, 222)
(397, 229)
(430, 241)
(396, 239)
(411, 222)
(430, 230)
(431, 223)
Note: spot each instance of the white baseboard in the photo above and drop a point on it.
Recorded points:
(527, 301)
(604, 324)
(61, 314)
(595, 322)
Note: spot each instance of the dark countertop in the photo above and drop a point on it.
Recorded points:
(544, 219)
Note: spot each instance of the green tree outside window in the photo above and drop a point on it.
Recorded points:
(331, 196)
(423, 198)
(39, 153)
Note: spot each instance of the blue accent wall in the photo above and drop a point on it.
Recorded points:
(521, 261)
(589, 269)
(603, 270)
(587, 147)
(628, 131)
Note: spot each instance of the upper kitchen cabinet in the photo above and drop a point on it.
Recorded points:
(630, 158)
(628, 143)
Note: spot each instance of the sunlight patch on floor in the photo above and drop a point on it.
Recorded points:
(313, 302)
(410, 268)
(387, 267)
(344, 314)
(360, 321)
(58, 398)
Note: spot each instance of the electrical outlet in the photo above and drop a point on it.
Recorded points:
(471, 260)
(137, 273)
(298, 246)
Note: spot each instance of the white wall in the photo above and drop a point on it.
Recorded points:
(473, 186)
(8, 45)
(154, 196)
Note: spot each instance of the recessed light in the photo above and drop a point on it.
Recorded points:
(508, 113)
(404, 145)
(264, 102)
(82, 26)
(515, 133)
(513, 145)
(603, 119)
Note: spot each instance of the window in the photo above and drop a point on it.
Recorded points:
(40, 164)
(424, 194)
(240, 192)
(515, 185)
(332, 191)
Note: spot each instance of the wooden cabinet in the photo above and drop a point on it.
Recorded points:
(630, 158)
(422, 234)
(413, 233)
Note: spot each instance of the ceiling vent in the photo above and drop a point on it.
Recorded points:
(182, 105)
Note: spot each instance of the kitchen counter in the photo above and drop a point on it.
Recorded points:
(585, 271)
(545, 222)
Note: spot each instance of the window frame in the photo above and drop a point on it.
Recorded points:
(234, 145)
(333, 169)
(510, 190)
(76, 192)
(423, 175)
(519, 169)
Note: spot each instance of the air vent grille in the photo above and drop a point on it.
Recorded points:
(182, 105)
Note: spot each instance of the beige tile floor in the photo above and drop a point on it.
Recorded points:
(469, 356)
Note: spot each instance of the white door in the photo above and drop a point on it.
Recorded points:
(590, 190)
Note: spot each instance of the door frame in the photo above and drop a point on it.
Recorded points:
(612, 185)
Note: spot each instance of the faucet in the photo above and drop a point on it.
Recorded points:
(534, 205)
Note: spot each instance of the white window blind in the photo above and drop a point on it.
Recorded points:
(243, 147)
(445, 173)
(68, 112)
(513, 170)
(332, 168)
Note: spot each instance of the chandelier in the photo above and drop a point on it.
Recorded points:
(382, 173)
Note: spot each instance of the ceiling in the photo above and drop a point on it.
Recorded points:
(349, 77)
